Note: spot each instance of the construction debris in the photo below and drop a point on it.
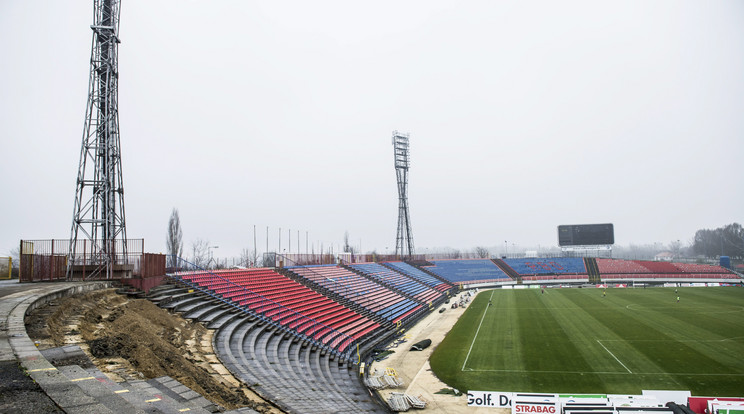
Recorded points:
(378, 381)
(399, 402)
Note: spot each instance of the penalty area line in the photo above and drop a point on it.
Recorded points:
(476, 333)
(613, 355)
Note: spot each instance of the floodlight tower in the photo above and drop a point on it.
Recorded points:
(98, 216)
(404, 239)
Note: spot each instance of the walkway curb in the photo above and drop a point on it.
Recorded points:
(17, 345)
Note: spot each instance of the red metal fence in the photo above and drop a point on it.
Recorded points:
(152, 265)
(47, 261)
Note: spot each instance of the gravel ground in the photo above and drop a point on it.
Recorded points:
(20, 394)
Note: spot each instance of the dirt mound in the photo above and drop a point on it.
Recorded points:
(111, 346)
(133, 338)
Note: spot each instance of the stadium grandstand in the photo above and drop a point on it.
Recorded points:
(320, 322)
(280, 329)
(497, 272)
(612, 269)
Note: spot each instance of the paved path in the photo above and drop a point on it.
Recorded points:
(9, 287)
(20, 359)
(414, 369)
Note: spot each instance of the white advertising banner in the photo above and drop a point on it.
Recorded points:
(493, 399)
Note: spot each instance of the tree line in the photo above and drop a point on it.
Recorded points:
(723, 241)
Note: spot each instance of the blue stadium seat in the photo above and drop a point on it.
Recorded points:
(402, 283)
(468, 270)
(419, 275)
(542, 266)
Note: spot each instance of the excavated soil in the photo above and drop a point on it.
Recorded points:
(134, 339)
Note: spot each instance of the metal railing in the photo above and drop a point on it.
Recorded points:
(48, 260)
(301, 259)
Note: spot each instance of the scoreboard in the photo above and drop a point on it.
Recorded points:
(586, 234)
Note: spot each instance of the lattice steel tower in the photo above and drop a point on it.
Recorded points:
(98, 233)
(404, 239)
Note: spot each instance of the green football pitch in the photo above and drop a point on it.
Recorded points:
(580, 341)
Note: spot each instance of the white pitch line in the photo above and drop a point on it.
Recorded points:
(524, 371)
(613, 355)
(673, 340)
(476, 333)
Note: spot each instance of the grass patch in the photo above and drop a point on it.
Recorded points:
(577, 341)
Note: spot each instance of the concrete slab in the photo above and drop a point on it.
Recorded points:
(98, 390)
(182, 394)
(159, 400)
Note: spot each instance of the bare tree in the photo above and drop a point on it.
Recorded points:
(450, 253)
(347, 247)
(200, 253)
(675, 247)
(174, 240)
(481, 252)
(15, 255)
(247, 258)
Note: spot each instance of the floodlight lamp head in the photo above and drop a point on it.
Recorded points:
(400, 146)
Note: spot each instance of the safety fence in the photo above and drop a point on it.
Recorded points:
(272, 259)
(57, 260)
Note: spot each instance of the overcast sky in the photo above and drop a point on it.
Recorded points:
(522, 116)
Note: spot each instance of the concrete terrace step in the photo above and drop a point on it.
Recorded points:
(160, 288)
(167, 294)
(160, 400)
(244, 410)
(193, 305)
(197, 313)
(224, 318)
(297, 376)
(184, 301)
(170, 302)
(297, 396)
(227, 347)
(260, 356)
(183, 394)
(303, 390)
(281, 387)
